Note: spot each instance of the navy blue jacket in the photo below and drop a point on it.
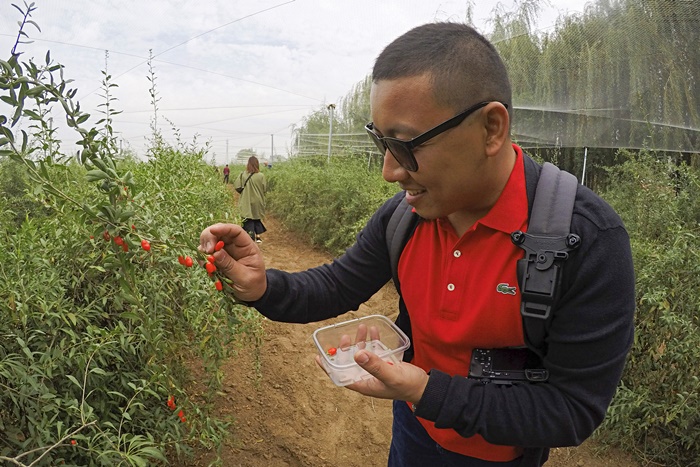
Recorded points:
(587, 341)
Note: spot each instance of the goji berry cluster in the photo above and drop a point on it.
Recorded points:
(209, 265)
(122, 242)
(173, 407)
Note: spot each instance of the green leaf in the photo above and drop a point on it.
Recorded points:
(153, 453)
(74, 381)
(95, 175)
(73, 319)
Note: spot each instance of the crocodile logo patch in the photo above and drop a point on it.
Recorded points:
(505, 289)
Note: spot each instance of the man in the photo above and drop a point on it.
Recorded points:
(227, 171)
(441, 109)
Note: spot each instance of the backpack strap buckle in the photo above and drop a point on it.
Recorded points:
(539, 272)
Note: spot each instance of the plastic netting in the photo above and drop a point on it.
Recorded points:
(624, 74)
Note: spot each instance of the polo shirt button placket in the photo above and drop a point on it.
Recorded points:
(450, 287)
(457, 253)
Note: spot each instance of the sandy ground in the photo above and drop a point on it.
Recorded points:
(287, 412)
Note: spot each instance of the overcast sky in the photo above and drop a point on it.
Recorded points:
(237, 73)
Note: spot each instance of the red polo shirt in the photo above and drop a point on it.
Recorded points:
(455, 302)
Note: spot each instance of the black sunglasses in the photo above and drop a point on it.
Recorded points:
(402, 150)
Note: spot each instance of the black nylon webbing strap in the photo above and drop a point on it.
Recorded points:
(554, 202)
(546, 243)
(402, 222)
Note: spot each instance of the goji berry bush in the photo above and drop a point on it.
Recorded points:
(100, 321)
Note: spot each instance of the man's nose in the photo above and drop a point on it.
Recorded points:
(391, 170)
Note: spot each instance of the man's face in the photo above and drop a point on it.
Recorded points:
(452, 174)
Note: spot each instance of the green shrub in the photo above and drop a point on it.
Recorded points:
(327, 203)
(655, 412)
(94, 340)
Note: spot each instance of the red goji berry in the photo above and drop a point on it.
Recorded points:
(73, 442)
(181, 414)
(188, 262)
(171, 402)
(181, 260)
(133, 227)
(219, 245)
(219, 286)
(145, 245)
(105, 235)
(332, 351)
(210, 268)
(92, 237)
(211, 258)
(125, 247)
(183, 419)
(118, 240)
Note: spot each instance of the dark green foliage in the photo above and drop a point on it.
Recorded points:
(15, 205)
(327, 203)
(94, 339)
(655, 412)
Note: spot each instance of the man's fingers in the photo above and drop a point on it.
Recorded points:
(371, 363)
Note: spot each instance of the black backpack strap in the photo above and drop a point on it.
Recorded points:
(402, 223)
(546, 243)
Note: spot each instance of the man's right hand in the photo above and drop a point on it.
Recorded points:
(240, 260)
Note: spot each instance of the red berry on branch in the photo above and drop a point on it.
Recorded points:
(118, 240)
(188, 262)
(219, 245)
(73, 442)
(105, 235)
(210, 268)
(145, 245)
(125, 247)
(219, 286)
(181, 260)
(211, 259)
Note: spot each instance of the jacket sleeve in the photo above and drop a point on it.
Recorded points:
(587, 344)
(332, 289)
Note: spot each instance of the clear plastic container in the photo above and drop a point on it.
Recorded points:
(338, 343)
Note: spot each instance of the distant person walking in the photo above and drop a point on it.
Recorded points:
(252, 186)
(227, 171)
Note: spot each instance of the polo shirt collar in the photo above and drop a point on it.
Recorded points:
(510, 211)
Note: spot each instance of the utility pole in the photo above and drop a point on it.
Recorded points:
(331, 108)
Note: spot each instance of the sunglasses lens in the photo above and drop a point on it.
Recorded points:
(402, 154)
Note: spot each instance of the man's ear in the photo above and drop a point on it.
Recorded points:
(497, 127)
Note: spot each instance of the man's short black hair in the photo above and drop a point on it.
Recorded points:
(465, 68)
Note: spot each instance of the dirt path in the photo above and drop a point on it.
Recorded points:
(289, 413)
